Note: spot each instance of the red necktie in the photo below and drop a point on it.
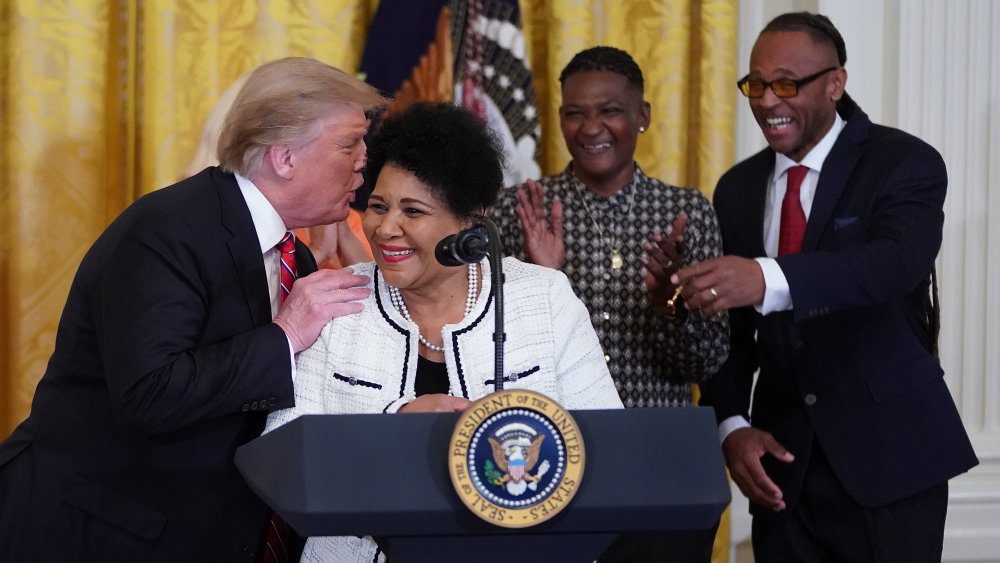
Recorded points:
(276, 540)
(277, 536)
(793, 219)
(288, 270)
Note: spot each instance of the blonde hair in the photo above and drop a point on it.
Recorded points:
(282, 102)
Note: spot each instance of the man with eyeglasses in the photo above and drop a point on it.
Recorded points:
(830, 237)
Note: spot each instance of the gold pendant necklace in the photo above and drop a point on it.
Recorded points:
(617, 261)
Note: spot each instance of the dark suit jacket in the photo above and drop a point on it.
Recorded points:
(850, 366)
(166, 361)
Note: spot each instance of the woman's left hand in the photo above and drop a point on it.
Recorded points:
(323, 240)
(336, 245)
(664, 257)
(350, 249)
(436, 402)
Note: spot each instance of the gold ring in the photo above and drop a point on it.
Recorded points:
(715, 294)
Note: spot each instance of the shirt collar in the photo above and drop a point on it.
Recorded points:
(639, 178)
(814, 160)
(270, 228)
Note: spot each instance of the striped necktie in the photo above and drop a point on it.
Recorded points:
(289, 273)
(277, 536)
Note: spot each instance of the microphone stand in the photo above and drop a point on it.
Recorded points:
(495, 256)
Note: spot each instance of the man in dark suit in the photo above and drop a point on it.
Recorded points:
(854, 434)
(175, 341)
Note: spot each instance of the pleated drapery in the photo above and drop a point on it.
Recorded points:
(102, 101)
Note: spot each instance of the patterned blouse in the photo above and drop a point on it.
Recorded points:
(653, 359)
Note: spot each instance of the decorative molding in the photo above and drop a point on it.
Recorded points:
(949, 44)
(972, 532)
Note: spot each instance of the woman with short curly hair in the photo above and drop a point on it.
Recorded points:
(424, 341)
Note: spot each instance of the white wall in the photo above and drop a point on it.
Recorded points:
(932, 68)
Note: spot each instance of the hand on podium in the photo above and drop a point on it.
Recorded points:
(436, 402)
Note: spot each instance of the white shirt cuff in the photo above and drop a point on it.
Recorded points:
(776, 294)
(291, 354)
(394, 406)
(731, 424)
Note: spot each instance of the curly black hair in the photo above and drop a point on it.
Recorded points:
(818, 26)
(604, 58)
(446, 147)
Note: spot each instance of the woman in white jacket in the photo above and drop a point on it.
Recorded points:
(424, 341)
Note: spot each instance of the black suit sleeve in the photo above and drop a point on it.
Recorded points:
(177, 332)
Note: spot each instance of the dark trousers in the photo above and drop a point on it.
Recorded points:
(15, 500)
(827, 525)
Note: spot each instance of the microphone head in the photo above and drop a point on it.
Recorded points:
(464, 247)
(445, 252)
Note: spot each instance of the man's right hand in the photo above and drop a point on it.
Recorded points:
(317, 298)
(743, 449)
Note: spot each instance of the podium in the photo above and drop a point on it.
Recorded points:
(386, 476)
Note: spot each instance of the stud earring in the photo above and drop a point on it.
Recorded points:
(642, 129)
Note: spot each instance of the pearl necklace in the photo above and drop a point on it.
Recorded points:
(470, 301)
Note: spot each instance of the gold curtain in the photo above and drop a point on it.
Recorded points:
(103, 100)
(686, 49)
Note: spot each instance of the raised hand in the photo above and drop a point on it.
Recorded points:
(664, 256)
(543, 242)
(323, 241)
(350, 249)
(337, 244)
(317, 298)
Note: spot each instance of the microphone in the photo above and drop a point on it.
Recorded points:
(470, 246)
(464, 247)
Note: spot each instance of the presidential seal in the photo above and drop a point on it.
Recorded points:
(516, 458)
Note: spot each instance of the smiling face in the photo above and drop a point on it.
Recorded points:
(793, 126)
(324, 172)
(404, 223)
(600, 116)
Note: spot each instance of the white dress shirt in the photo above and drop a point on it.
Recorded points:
(776, 294)
(270, 230)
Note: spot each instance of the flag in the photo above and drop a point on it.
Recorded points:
(470, 52)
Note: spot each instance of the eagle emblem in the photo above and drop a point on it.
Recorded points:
(516, 448)
(516, 458)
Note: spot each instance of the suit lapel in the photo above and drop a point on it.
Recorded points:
(244, 247)
(760, 173)
(837, 170)
(305, 262)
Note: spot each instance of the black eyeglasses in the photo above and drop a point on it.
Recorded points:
(783, 87)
